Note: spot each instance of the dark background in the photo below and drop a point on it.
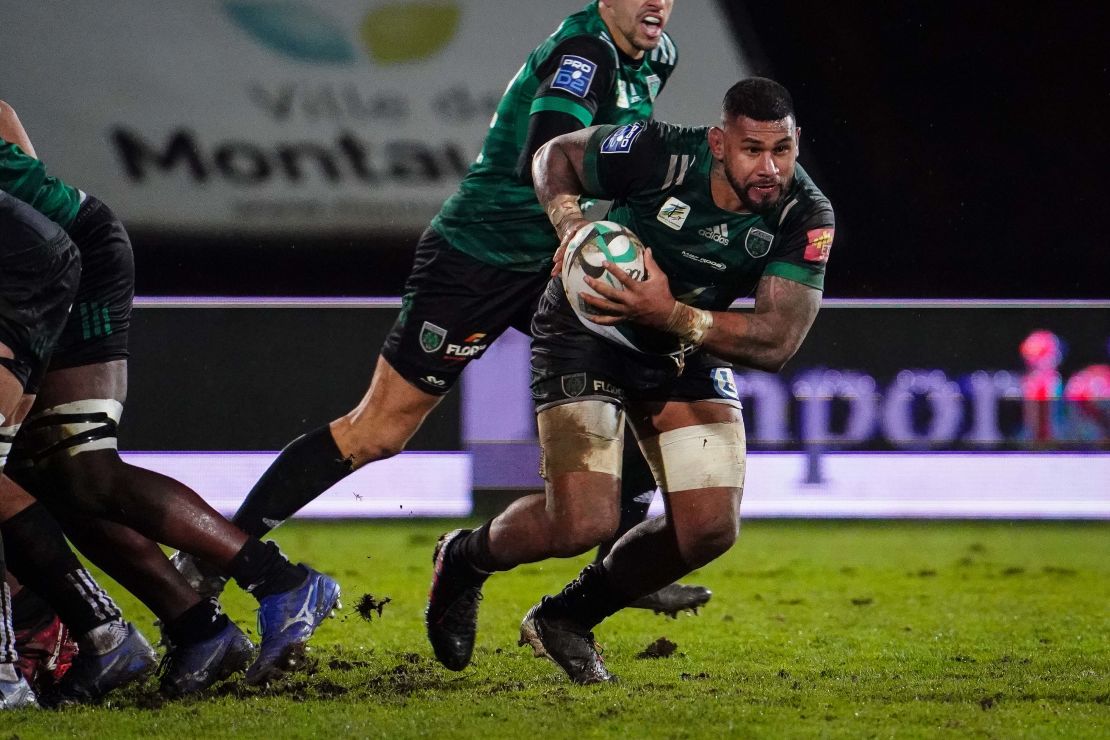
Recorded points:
(963, 145)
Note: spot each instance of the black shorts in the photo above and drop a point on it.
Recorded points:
(97, 328)
(454, 307)
(39, 270)
(571, 363)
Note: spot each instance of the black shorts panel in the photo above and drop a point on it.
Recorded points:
(39, 270)
(98, 325)
(453, 308)
(571, 363)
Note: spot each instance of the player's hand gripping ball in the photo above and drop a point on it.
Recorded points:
(592, 245)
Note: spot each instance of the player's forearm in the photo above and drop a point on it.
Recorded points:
(769, 337)
(752, 341)
(12, 131)
(558, 185)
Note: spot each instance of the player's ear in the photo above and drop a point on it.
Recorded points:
(797, 139)
(716, 138)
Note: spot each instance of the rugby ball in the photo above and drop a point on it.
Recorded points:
(592, 245)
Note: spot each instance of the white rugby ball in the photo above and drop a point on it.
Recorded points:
(593, 244)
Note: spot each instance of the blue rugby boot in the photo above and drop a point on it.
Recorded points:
(187, 669)
(92, 676)
(287, 620)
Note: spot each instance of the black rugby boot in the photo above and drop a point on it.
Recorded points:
(675, 598)
(567, 643)
(452, 613)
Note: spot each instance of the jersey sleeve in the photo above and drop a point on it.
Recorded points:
(802, 244)
(574, 79)
(621, 160)
(25, 177)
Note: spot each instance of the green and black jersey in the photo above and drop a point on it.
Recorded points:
(24, 177)
(657, 176)
(578, 71)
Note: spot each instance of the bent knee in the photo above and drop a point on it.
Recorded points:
(709, 542)
(572, 538)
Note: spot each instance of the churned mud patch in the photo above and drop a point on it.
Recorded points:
(661, 648)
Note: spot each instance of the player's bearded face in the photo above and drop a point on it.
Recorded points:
(759, 161)
(637, 25)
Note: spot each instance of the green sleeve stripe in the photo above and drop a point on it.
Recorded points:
(562, 105)
(797, 273)
(590, 160)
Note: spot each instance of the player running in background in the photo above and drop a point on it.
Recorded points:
(66, 455)
(480, 268)
(727, 211)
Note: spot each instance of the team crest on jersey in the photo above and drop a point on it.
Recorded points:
(574, 75)
(758, 242)
(431, 337)
(573, 385)
(724, 382)
(818, 244)
(673, 213)
(654, 85)
(620, 141)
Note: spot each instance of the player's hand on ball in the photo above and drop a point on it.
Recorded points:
(647, 302)
(568, 229)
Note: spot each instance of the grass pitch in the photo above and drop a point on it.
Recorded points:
(816, 629)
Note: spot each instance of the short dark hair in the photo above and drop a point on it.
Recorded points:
(758, 98)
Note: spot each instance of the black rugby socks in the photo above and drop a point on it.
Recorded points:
(588, 599)
(38, 555)
(261, 570)
(202, 621)
(308, 466)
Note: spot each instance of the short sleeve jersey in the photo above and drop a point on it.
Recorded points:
(657, 176)
(24, 177)
(578, 70)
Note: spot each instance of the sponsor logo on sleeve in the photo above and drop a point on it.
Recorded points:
(620, 141)
(673, 213)
(818, 244)
(574, 75)
(758, 242)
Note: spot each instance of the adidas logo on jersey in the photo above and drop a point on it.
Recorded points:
(718, 233)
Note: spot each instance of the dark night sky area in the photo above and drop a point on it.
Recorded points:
(964, 145)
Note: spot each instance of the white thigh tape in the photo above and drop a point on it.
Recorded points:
(73, 428)
(581, 436)
(699, 456)
(7, 436)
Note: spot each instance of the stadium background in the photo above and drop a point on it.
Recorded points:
(294, 149)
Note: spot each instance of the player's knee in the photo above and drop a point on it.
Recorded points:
(712, 539)
(571, 538)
